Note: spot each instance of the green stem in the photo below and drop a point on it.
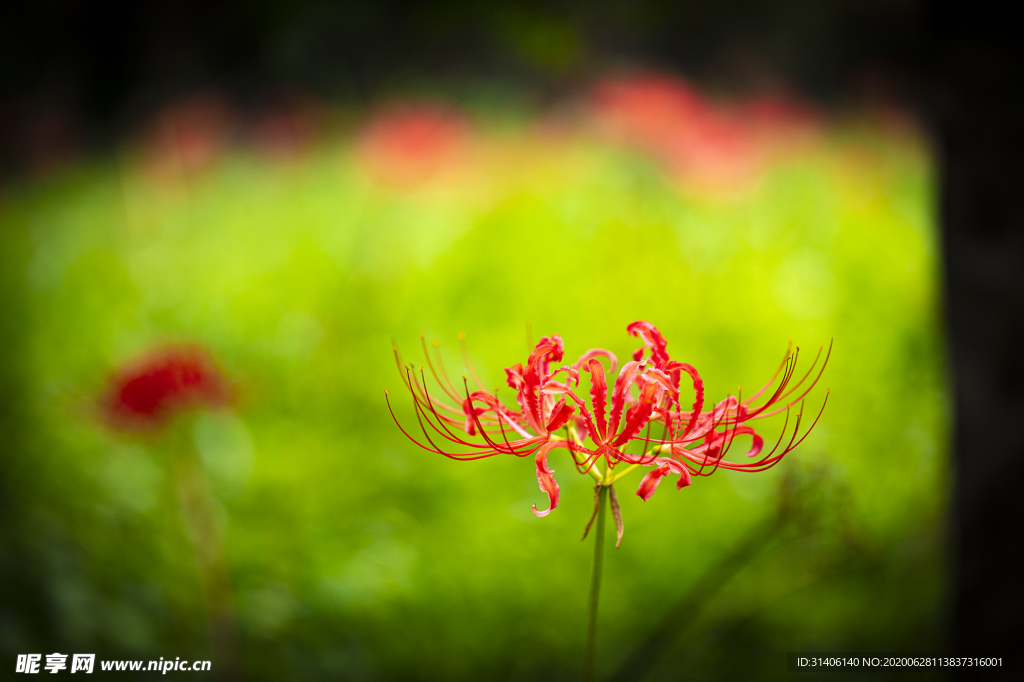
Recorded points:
(590, 646)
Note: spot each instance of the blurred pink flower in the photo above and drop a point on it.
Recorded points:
(406, 145)
(692, 441)
(149, 391)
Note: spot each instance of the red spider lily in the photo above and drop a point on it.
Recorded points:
(151, 390)
(693, 441)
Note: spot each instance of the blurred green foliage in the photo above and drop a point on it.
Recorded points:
(354, 555)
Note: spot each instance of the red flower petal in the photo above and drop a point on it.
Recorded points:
(559, 416)
(698, 387)
(622, 383)
(598, 395)
(597, 353)
(640, 413)
(515, 376)
(546, 480)
(665, 466)
(652, 339)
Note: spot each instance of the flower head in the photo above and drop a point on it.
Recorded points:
(646, 393)
(151, 390)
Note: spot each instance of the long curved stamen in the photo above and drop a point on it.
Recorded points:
(401, 367)
(736, 424)
(501, 422)
(796, 428)
(573, 448)
(781, 434)
(445, 384)
(787, 375)
(469, 365)
(768, 461)
(448, 384)
(780, 390)
(710, 444)
(808, 389)
(419, 391)
(515, 448)
(447, 432)
(476, 418)
(828, 392)
(402, 429)
(421, 415)
(810, 370)
(785, 358)
(428, 449)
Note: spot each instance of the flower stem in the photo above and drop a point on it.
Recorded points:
(590, 646)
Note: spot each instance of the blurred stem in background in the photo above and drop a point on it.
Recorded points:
(805, 514)
(199, 512)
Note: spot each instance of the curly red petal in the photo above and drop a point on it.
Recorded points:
(594, 353)
(653, 341)
(665, 467)
(546, 480)
(547, 350)
(514, 376)
(698, 387)
(559, 416)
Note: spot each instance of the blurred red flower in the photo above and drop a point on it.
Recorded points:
(695, 139)
(405, 145)
(649, 111)
(674, 123)
(149, 391)
(692, 442)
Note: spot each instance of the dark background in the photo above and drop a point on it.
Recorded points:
(974, 59)
(76, 75)
(79, 73)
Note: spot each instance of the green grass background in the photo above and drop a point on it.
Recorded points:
(354, 555)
